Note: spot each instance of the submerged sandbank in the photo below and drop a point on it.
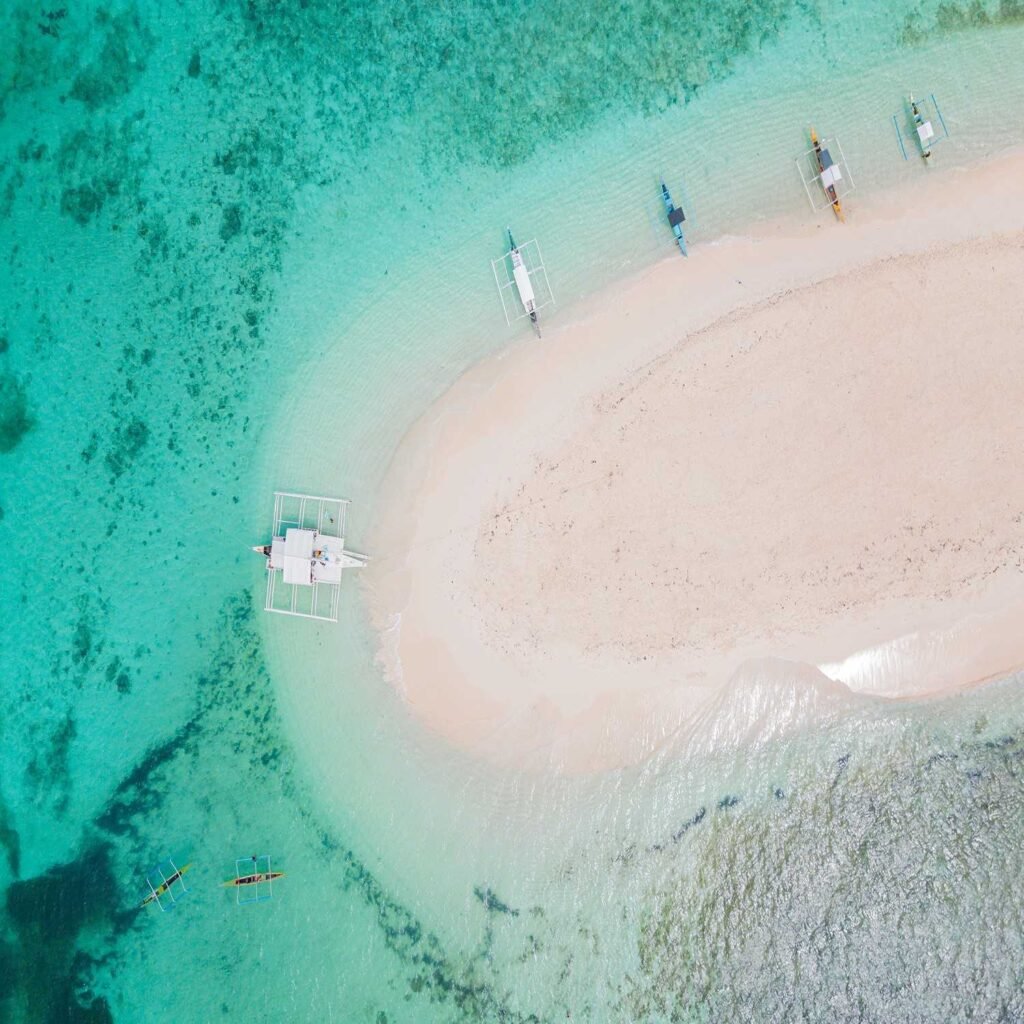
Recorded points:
(799, 445)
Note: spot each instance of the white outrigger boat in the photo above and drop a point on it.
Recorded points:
(522, 268)
(307, 556)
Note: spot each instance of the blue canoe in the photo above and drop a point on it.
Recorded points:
(675, 218)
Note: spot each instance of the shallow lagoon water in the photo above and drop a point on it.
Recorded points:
(243, 245)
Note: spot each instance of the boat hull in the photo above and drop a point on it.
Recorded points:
(920, 126)
(830, 190)
(524, 285)
(670, 209)
(257, 879)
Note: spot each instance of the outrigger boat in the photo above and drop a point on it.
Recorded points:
(254, 879)
(920, 116)
(830, 175)
(675, 218)
(168, 874)
(923, 128)
(306, 556)
(523, 284)
(164, 887)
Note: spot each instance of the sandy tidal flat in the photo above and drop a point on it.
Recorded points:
(803, 445)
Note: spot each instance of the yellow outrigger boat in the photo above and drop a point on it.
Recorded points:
(256, 878)
(164, 888)
(828, 172)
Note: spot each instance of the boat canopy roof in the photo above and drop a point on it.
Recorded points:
(298, 557)
(831, 176)
(676, 217)
(306, 557)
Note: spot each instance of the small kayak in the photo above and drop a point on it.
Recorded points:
(255, 879)
(159, 890)
(676, 217)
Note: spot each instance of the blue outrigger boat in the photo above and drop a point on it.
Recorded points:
(675, 218)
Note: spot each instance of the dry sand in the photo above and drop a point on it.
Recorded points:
(802, 445)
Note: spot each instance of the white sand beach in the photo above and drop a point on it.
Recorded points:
(804, 444)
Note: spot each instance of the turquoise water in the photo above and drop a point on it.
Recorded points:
(244, 244)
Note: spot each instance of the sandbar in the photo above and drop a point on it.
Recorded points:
(804, 444)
